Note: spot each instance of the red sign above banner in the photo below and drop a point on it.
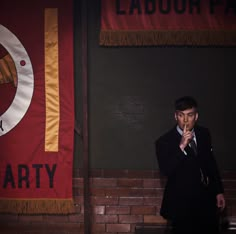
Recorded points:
(36, 107)
(168, 22)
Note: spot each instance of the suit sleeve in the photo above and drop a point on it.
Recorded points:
(169, 156)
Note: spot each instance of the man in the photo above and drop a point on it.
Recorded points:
(193, 195)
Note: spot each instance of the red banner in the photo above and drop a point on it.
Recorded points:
(168, 22)
(36, 106)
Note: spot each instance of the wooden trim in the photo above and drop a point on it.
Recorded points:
(132, 173)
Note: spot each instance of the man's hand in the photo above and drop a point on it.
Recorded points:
(220, 201)
(186, 138)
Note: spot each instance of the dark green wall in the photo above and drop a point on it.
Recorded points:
(131, 95)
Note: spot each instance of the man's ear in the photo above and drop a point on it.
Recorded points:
(175, 116)
(196, 116)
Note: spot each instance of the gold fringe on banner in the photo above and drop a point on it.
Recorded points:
(164, 38)
(37, 206)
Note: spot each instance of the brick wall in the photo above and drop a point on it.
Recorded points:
(120, 199)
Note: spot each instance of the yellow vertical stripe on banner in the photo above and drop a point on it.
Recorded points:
(51, 80)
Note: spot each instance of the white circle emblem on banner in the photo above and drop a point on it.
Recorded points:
(25, 83)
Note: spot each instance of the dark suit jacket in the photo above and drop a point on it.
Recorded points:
(185, 194)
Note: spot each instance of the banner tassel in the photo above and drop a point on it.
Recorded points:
(160, 38)
(40, 206)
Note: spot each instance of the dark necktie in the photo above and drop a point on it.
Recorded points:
(204, 178)
(193, 146)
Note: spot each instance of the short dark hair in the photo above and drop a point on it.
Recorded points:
(184, 103)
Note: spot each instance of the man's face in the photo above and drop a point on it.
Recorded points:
(187, 117)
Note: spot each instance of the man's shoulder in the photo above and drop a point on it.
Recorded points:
(168, 135)
(201, 129)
